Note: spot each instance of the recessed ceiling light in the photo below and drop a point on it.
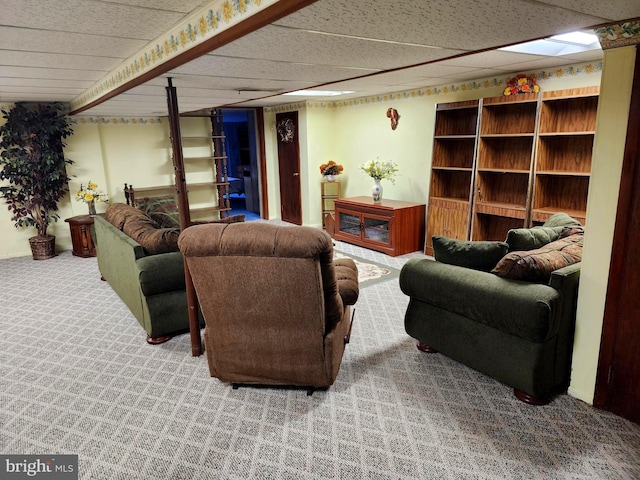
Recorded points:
(319, 93)
(558, 45)
(581, 38)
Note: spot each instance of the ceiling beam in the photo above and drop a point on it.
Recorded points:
(210, 28)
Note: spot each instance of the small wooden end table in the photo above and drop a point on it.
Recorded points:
(81, 236)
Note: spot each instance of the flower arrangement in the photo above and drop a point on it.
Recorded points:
(331, 168)
(521, 84)
(380, 170)
(90, 193)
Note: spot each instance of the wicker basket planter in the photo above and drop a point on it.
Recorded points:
(43, 247)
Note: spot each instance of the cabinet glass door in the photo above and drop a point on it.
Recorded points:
(376, 229)
(349, 223)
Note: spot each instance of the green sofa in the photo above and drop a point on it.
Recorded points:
(152, 286)
(138, 256)
(516, 330)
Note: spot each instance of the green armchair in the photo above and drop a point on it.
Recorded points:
(517, 330)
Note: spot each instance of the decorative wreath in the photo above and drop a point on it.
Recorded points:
(286, 130)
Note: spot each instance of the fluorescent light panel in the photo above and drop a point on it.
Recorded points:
(558, 45)
(319, 93)
(581, 38)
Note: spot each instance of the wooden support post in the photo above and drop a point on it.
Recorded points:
(183, 210)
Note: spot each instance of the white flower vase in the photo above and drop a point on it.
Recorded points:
(376, 190)
(330, 178)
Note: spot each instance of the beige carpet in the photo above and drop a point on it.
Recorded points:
(77, 377)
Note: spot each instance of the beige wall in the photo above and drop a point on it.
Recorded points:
(611, 128)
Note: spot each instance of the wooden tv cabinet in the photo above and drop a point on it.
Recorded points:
(390, 226)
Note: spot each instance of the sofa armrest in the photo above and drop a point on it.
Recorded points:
(161, 273)
(347, 278)
(526, 310)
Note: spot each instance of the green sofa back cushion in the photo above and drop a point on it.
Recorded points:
(559, 225)
(477, 255)
(522, 239)
(561, 219)
(537, 265)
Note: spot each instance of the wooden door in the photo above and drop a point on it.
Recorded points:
(289, 167)
(618, 379)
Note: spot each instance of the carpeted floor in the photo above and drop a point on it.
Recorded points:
(76, 376)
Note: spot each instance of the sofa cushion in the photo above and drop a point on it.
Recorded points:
(561, 219)
(481, 255)
(522, 309)
(522, 239)
(240, 217)
(537, 265)
(118, 213)
(154, 240)
(162, 209)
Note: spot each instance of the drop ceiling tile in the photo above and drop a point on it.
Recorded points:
(46, 41)
(291, 45)
(437, 70)
(609, 9)
(57, 60)
(46, 82)
(35, 94)
(91, 17)
(457, 24)
(493, 58)
(226, 83)
(550, 62)
(54, 73)
(183, 6)
(19, 89)
(265, 69)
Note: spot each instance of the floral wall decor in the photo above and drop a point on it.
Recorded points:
(521, 84)
(286, 130)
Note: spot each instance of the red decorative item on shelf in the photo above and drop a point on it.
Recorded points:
(521, 84)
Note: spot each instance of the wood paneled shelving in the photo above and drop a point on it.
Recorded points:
(452, 174)
(565, 146)
(528, 157)
(505, 156)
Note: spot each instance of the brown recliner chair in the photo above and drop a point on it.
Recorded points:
(275, 303)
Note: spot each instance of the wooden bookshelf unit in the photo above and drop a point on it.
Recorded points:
(528, 157)
(452, 173)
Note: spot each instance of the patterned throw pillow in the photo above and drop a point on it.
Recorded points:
(163, 210)
(537, 265)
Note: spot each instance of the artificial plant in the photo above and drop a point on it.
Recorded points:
(32, 163)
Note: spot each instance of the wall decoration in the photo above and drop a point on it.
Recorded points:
(521, 84)
(286, 130)
(393, 114)
(622, 35)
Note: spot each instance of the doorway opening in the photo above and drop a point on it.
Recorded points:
(241, 144)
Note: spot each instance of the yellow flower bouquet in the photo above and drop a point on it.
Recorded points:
(90, 193)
